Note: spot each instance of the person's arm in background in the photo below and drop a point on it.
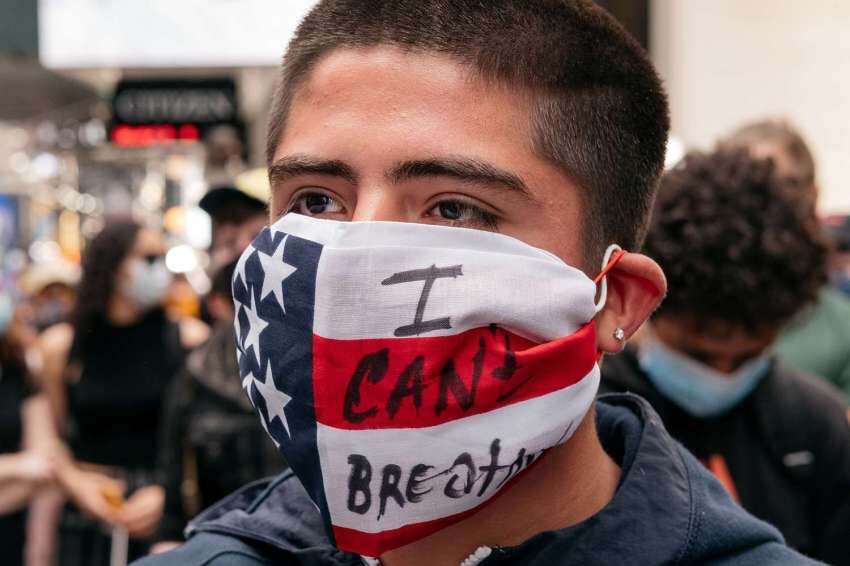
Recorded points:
(40, 437)
(25, 472)
(54, 346)
(171, 464)
(34, 466)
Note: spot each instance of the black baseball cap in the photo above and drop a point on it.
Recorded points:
(250, 190)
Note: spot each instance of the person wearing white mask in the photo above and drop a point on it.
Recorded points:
(105, 374)
(741, 260)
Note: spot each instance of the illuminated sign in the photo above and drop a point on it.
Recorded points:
(126, 135)
(154, 112)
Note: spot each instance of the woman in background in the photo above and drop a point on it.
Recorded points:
(27, 438)
(106, 374)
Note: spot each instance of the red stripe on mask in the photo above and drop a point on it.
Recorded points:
(421, 382)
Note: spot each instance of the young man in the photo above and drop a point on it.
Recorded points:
(447, 162)
(742, 259)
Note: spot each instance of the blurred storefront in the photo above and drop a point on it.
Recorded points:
(98, 119)
(120, 107)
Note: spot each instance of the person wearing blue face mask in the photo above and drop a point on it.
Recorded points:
(741, 260)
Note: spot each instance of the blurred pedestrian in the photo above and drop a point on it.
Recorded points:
(209, 425)
(208, 418)
(52, 291)
(106, 373)
(742, 260)
(817, 341)
(238, 213)
(27, 438)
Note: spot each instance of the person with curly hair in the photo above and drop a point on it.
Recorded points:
(741, 260)
(817, 341)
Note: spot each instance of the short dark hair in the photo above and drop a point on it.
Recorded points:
(599, 111)
(735, 248)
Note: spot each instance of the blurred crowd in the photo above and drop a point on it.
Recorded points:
(123, 414)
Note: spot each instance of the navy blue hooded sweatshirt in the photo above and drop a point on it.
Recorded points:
(667, 510)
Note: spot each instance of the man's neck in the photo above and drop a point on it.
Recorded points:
(569, 484)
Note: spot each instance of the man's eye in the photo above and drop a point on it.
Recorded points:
(314, 204)
(463, 213)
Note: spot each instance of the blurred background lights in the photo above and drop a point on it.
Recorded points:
(675, 152)
(181, 259)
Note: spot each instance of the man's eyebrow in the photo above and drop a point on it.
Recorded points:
(464, 169)
(292, 165)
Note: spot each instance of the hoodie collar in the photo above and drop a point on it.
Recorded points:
(654, 485)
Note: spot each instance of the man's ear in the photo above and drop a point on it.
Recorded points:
(636, 286)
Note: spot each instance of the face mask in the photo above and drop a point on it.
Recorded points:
(148, 283)
(50, 313)
(410, 372)
(698, 389)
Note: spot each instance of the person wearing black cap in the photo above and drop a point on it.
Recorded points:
(238, 212)
(209, 420)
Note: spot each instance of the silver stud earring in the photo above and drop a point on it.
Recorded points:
(619, 335)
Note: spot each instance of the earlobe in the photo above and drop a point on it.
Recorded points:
(636, 286)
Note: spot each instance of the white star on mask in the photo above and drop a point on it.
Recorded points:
(276, 271)
(246, 385)
(275, 399)
(237, 326)
(240, 265)
(256, 325)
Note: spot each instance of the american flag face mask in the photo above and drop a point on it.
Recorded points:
(409, 373)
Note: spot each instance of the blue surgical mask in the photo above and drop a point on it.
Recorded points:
(693, 386)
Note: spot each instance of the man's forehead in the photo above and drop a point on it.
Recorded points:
(403, 105)
(405, 75)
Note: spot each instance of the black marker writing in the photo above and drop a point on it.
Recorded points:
(428, 275)
(373, 368)
(410, 486)
(358, 483)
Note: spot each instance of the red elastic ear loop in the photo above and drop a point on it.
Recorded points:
(618, 255)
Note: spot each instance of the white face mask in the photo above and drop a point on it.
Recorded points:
(148, 282)
(410, 372)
